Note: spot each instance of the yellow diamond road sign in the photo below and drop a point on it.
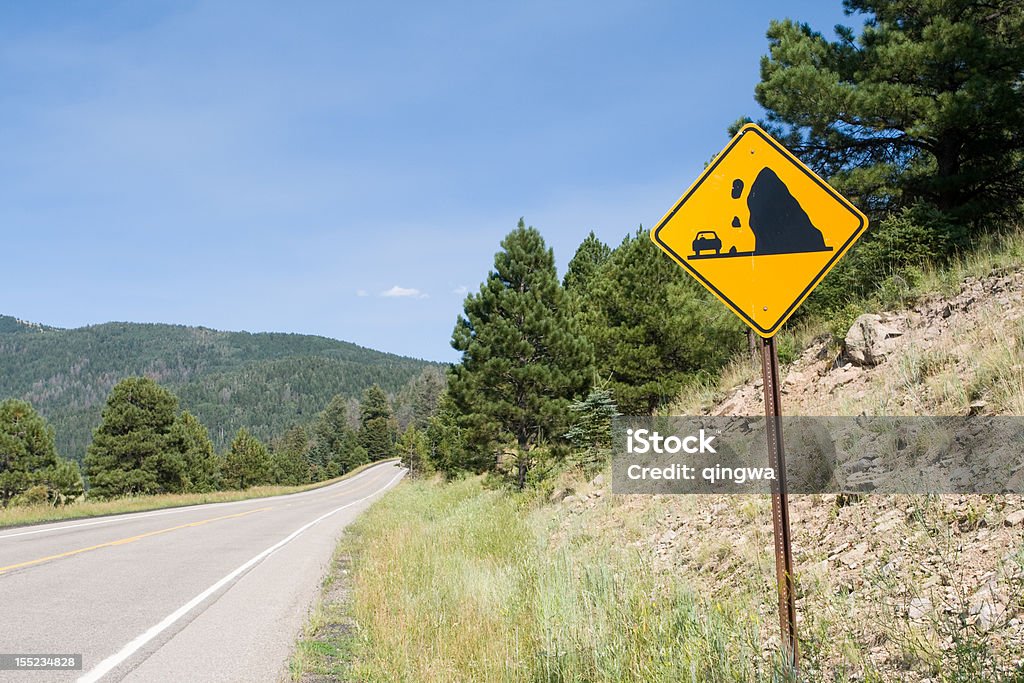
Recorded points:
(759, 229)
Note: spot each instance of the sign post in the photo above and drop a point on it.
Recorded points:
(780, 501)
(760, 230)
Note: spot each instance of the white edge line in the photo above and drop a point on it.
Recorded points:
(185, 508)
(111, 662)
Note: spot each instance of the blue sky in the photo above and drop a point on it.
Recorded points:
(345, 169)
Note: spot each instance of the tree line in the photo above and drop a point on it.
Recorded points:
(265, 382)
(146, 445)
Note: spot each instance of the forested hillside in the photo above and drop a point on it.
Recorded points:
(229, 380)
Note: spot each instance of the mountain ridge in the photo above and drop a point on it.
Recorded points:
(263, 381)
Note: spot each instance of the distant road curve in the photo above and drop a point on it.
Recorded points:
(214, 592)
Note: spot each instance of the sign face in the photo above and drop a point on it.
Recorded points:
(759, 229)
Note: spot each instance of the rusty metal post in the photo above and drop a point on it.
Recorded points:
(780, 502)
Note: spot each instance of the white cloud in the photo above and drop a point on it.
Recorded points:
(362, 292)
(410, 292)
(461, 289)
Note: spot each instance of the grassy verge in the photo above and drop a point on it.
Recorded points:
(36, 514)
(455, 582)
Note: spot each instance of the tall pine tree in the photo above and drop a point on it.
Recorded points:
(130, 452)
(588, 259)
(652, 326)
(377, 430)
(28, 457)
(924, 105)
(523, 357)
(247, 463)
(201, 464)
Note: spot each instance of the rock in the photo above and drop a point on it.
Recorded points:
(855, 557)
(1014, 518)
(976, 407)
(873, 337)
(732, 406)
(810, 457)
(795, 377)
(919, 608)
(569, 500)
(862, 465)
(987, 615)
(598, 481)
(558, 495)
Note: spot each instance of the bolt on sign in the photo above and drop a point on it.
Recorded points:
(759, 229)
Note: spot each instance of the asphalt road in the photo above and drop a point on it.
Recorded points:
(208, 593)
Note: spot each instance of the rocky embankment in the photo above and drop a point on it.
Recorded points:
(892, 587)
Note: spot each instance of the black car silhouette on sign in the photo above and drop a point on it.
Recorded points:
(707, 240)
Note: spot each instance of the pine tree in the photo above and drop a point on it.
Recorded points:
(377, 427)
(352, 453)
(446, 448)
(291, 462)
(412, 449)
(28, 456)
(247, 463)
(523, 357)
(201, 465)
(588, 259)
(924, 105)
(591, 431)
(63, 481)
(130, 451)
(417, 400)
(653, 326)
(338, 449)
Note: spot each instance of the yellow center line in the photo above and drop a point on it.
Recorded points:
(123, 541)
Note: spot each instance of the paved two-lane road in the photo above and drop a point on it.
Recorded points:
(207, 593)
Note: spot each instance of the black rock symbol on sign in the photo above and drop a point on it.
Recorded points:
(780, 225)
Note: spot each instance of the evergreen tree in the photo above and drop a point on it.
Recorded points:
(417, 401)
(924, 105)
(291, 462)
(130, 451)
(247, 463)
(190, 439)
(338, 449)
(523, 357)
(63, 481)
(319, 459)
(590, 256)
(351, 455)
(653, 326)
(332, 425)
(412, 449)
(377, 428)
(28, 457)
(591, 430)
(446, 448)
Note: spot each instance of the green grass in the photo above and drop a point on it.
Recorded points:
(21, 515)
(452, 582)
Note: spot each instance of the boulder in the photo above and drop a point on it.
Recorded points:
(872, 338)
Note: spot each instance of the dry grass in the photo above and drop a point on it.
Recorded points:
(456, 582)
